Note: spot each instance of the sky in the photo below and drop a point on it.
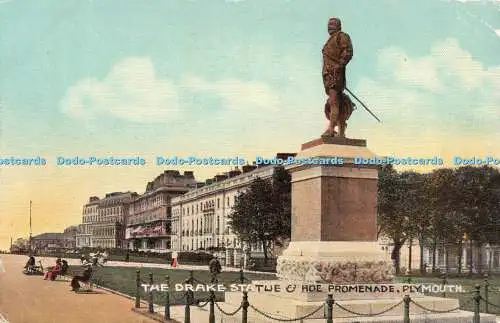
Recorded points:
(227, 78)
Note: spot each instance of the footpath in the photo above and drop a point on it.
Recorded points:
(29, 299)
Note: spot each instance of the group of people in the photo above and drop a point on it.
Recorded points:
(60, 269)
(96, 259)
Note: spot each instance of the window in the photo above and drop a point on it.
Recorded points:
(218, 203)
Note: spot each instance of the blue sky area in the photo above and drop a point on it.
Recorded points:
(231, 78)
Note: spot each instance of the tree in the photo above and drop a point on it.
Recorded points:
(262, 214)
(20, 245)
(447, 223)
(478, 189)
(282, 204)
(392, 223)
(416, 209)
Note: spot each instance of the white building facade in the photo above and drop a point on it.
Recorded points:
(103, 221)
(200, 218)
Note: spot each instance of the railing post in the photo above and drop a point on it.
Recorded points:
(150, 295)
(329, 309)
(138, 289)
(187, 310)
(406, 313)
(477, 303)
(445, 282)
(244, 307)
(167, 299)
(211, 316)
(191, 277)
(242, 277)
(486, 292)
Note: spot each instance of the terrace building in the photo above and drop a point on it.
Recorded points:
(84, 233)
(200, 217)
(149, 223)
(104, 221)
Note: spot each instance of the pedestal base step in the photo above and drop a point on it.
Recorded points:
(391, 310)
(202, 314)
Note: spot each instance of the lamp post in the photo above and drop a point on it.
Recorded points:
(223, 255)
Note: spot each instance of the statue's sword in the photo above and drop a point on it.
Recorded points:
(364, 105)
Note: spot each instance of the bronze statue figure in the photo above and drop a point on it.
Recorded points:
(337, 53)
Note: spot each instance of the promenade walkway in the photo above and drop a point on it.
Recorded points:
(29, 299)
(49, 261)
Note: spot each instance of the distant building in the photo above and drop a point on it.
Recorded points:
(70, 235)
(149, 223)
(50, 242)
(486, 257)
(89, 216)
(104, 221)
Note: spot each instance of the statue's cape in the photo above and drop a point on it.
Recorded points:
(345, 110)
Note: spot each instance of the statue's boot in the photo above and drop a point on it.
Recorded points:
(342, 127)
(330, 131)
(334, 119)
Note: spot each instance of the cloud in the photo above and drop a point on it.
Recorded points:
(446, 94)
(131, 91)
(446, 63)
(413, 71)
(237, 94)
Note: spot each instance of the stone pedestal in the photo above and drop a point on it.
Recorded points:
(334, 219)
(334, 241)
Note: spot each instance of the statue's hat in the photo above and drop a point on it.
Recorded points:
(334, 24)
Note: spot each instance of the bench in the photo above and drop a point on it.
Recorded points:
(86, 287)
(34, 270)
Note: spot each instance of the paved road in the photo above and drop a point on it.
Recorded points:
(29, 299)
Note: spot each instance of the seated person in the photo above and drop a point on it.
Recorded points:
(30, 264)
(53, 271)
(85, 277)
(64, 268)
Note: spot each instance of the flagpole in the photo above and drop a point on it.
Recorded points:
(30, 230)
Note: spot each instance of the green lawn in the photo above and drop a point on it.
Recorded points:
(468, 287)
(123, 279)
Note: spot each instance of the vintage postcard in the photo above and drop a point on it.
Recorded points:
(249, 161)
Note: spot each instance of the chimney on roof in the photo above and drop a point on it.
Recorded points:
(189, 174)
(233, 173)
(248, 168)
(285, 156)
(172, 173)
(220, 178)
